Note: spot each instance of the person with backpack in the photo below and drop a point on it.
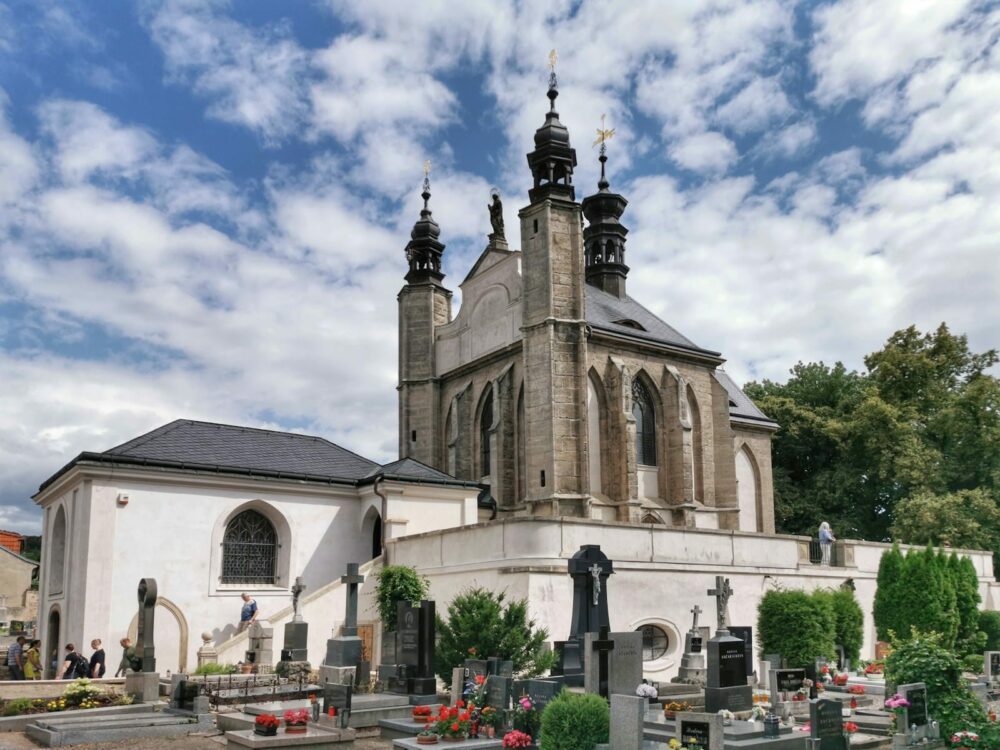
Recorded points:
(96, 664)
(74, 665)
(128, 662)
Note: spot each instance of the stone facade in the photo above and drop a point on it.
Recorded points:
(548, 348)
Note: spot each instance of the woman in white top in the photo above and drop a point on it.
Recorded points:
(826, 540)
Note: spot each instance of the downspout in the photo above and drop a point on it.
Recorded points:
(377, 489)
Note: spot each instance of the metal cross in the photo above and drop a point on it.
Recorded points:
(595, 571)
(603, 645)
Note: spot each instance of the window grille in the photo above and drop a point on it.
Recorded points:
(655, 642)
(250, 550)
(645, 425)
(485, 423)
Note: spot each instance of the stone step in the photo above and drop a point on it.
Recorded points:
(394, 729)
(69, 731)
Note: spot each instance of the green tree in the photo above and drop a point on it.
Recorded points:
(848, 620)
(796, 625)
(970, 639)
(886, 609)
(989, 623)
(485, 623)
(968, 519)
(397, 583)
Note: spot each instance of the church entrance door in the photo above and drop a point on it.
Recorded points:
(51, 652)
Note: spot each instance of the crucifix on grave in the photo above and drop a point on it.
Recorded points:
(589, 568)
(721, 592)
(353, 579)
(297, 590)
(603, 646)
(343, 663)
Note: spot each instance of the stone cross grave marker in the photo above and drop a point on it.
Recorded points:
(692, 641)
(726, 674)
(295, 646)
(498, 692)
(297, 590)
(144, 648)
(353, 579)
(826, 724)
(704, 730)
(915, 718)
(338, 697)
(627, 715)
(344, 652)
(722, 592)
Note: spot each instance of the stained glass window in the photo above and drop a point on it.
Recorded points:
(485, 423)
(645, 425)
(250, 550)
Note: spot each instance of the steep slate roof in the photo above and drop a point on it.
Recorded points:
(207, 446)
(741, 408)
(603, 310)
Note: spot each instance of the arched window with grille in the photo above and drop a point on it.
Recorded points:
(250, 550)
(485, 423)
(645, 424)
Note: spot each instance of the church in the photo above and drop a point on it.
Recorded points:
(551, 411)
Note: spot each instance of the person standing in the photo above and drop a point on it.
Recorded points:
(248, 615)
(74, 665)
(128, 657)
(97, 659)
(826, 540)
(33, 661)
(15, 658)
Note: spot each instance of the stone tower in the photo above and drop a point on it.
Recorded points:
(424, 304)
(554, 328)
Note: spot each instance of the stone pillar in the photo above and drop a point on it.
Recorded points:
(554, 351)
(207, 653)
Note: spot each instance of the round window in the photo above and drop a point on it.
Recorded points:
(655, 642)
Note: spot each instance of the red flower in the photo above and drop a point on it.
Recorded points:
(472, 650)
(453, 712)
(460, 703)
(480, 679)
(850, 727)
(454, 727)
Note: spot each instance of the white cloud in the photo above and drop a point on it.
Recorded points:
(18, 167)
(757, 105)
(706, 152)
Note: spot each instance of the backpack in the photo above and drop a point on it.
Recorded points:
(81, 667)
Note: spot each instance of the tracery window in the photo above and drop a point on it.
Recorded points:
(485, 423)
(645, 424)
(250, 550)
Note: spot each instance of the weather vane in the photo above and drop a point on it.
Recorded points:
(553, 59)
(603, 136)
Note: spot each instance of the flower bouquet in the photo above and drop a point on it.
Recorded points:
(526, 718)
(475, 691)
(490, 720)
(296, 720)
(850, 727)
(840, 679)
(966, 740)
(875, 668)
(516, 738)
(727, 716)
(671, 709)
(453, 723)
(266, 725)
(647, 691)
(896, 705)
(757, 713)
(422, 714)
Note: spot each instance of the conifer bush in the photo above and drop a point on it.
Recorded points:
(989, 623)
(575, 721)
(848, 620)
(886, 611)
(798, 626)
(480, 624)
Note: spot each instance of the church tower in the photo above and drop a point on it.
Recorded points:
(604, 237)
(553, 328)
(424, 304)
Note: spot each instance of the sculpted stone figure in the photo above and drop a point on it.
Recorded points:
(496, 216)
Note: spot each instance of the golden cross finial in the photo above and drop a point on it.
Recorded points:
(603, 134)
(427, 167)
(553, 58)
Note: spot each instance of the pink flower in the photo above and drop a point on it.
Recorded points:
(526, 703)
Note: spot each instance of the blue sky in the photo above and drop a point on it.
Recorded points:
(203, 205)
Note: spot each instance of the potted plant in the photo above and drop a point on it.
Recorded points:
(849, 729)
(490, 720)
(427, 737)
(422, 714)
(647, 691)
(266, 725)
(296, 720)
(840, 679)
(453, 724)
(966, 740)
(671, 709)
(516, 738)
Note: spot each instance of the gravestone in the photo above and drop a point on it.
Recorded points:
(260, 639)
(457, 685)
(991, 667)
(784, 683)
(295, 646)
(589, 569)
(628, 713)
(692, 668)
(624, 663)
(343, 652)
(476, 668)
(498, 691)
(415, 647)
(187, 696)
(704, 730)
(745, 634)
(812, 675)
(726, 677)
(338, 697)
(502, 667)
(541, 692)
(826, 724)
(915, 719)
(144, 684)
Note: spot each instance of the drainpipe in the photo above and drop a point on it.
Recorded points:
(377, 489)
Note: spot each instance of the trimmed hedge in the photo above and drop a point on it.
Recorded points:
(848, 620)
(798, 626)
(575, 721)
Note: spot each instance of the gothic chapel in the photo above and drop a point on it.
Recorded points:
(559, 392)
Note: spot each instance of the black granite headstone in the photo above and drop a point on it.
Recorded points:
(745, 634)
(408, 634)
(296, 644)
(415, 645)
(730, 668)
(498, 692)
(589, 569)
(144, 650)
(694, 644)
(788, 680)
(338, 697)
(541, 692)
(917, 712)
(476, 667)
(696, 733)
(827, 724)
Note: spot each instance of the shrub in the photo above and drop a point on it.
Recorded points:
(796, 625)
(890, 573)
(214, 668)
(970, 638)
(923, 658)
(80, 691)
(486, 622)
(397, 583)
(989, 623)
(973, 663)
(18, 706)
(848, 620)
(575, 721)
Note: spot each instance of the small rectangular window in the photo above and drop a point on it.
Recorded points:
(413, 436)
(543, 477)
(536, 226)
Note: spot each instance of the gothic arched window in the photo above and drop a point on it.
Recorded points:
(485, 423)
(250, 550)
(645, 425)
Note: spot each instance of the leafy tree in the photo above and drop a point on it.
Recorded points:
(796, 625)
(886, 609)
(397, 583)
(989, 623)
(486, 624)
(968, 519)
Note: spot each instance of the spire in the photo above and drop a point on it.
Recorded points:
(424, 250)
(553, 159)
(604, 236)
